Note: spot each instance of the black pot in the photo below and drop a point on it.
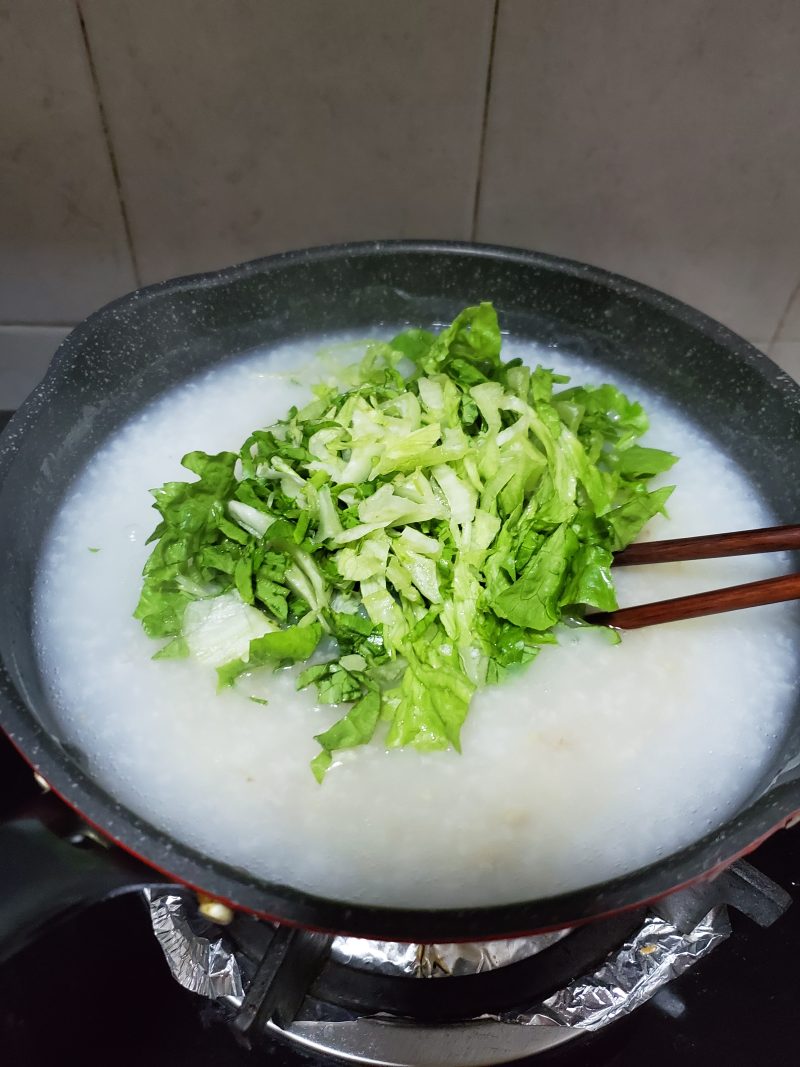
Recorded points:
(130, 351)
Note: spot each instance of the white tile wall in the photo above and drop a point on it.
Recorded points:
(25, 352)
(62, 242)
(250, 127)
(657, 139)
(788, 329)
(787, 355)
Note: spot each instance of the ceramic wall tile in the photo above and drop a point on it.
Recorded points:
(787, 355)
(243, 128)
(25, 353)
(657, 139)
(62, 241)
(789, 327)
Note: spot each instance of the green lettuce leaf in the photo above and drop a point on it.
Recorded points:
(296, 643)
(190, 512)
(508, 646)
(413, 344)
(431, 703)
(626, 521)
(335, 684)
(636, 462)
(354, 728)
(589, 580)
(472, 340)
(533, 599)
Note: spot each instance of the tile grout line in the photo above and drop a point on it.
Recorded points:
(776, 336)
(126, 223)
(484, 121)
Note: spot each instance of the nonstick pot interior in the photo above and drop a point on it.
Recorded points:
(134, 349)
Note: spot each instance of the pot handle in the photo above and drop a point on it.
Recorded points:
(46, 877)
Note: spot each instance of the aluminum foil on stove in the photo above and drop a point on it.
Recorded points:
(648, 960)
(436, 961)
(200, 964)
(653, 956)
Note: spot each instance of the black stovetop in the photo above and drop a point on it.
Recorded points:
(97, 991)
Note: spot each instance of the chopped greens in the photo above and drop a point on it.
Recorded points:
(409, 537)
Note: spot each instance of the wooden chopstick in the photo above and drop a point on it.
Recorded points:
(711, 546)
(750, 595)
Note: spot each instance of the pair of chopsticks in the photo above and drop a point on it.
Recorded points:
(750, 595)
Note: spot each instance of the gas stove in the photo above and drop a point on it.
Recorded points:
(98, 989)
(502, 1001)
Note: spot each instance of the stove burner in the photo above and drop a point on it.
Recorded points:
(375, 1003)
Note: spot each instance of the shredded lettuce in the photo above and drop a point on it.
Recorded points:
(407, 538)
